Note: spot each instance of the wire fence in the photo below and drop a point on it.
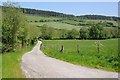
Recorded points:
(61, 48)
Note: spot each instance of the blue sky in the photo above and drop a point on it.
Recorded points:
(76, 8)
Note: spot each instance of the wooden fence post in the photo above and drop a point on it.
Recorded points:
(78, 49)
(62, 49)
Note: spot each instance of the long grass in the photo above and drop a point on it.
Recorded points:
(107, 59)
(0, 66)
(11, 63)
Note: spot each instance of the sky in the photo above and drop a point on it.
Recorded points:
(76, 8)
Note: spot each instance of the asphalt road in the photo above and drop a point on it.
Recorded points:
(37, 65)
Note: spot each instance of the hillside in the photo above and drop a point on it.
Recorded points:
(67, 23)
(60, 20)
(57, 14)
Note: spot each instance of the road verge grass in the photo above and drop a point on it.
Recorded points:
(0, 66)
(11, 63)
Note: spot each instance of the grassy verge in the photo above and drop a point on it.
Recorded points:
(107, 59)
(11, 63)
(0, 66)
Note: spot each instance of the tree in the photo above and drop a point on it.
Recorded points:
(84, 33)
(72, 34)
(12, 21)
(114, 32)
(63, 33)
(111, 33)
(96, 32)
(47, 32)
(23, 33)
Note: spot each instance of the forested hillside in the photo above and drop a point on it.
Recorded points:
(57, 14)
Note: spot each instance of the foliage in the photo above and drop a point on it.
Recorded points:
(72, 34)
(95, 32)
(98, 17)
(12, 21)
(47, 32)
(45, 13)
(84, 33)
(63, 33)
(15, 28)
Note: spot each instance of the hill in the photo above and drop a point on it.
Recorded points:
(57, 14)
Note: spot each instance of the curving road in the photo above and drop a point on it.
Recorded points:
(37, 65)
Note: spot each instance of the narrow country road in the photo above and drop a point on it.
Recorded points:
(37, 65)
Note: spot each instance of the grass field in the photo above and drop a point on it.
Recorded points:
(107, 58)
(57, 25)
(97, 21)
(37, 18)
(64, 24)
(11, 63)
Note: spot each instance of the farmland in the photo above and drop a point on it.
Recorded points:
(51, 22)
(57, 25)
(66, 23)
(107, 58)
(37, 18)
(21, 29)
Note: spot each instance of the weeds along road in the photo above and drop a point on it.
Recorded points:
(37, 65)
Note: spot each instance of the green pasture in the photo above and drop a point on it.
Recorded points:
(57, 25)
(88, 56)
(37, 18)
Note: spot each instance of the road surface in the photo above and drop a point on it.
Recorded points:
(37, 65)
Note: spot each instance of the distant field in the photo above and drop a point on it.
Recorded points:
(64, 24)
(96, 21)
(107, 58)
(37, 18)
(57, 25)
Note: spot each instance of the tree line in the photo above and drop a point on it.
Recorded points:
(79, 23)
(92, 32)
(99, 17)
(45, 13)
(16, 32)
(57, 14)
